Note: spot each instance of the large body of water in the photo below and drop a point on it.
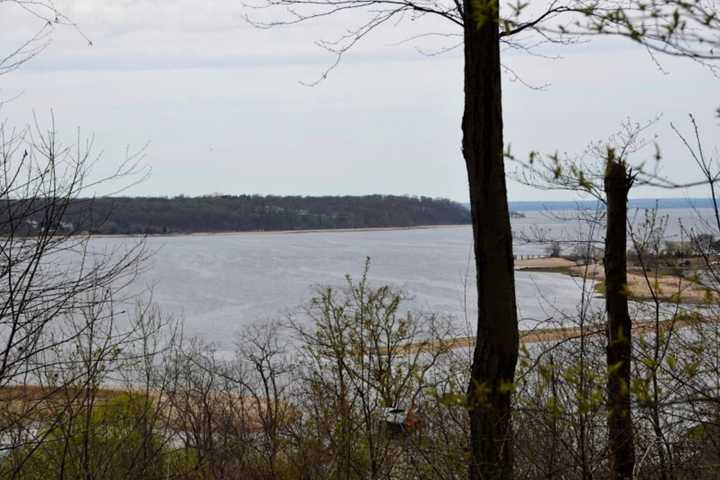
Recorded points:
(220, 284)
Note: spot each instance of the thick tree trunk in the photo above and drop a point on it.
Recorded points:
(619, 335)
(496, 350)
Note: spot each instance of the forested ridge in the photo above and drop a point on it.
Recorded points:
(158, 215)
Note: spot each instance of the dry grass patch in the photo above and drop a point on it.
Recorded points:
(664, 287)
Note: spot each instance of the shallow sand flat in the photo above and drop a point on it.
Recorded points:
(544, 263)
(550, 335)
(672, 288)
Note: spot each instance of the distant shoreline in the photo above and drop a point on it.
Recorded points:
(240, 213)
(633, 203)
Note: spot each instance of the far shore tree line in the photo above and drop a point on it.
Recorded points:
(239, 213)
(228, 213)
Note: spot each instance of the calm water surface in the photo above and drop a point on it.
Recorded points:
(219, 284)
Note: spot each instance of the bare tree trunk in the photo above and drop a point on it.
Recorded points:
(618, 181)
(496, 350)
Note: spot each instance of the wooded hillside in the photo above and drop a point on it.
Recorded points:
(258, 212)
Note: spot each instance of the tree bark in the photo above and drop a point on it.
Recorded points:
(618, 182)
(496, 350)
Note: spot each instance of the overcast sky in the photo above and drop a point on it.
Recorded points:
(223, 109)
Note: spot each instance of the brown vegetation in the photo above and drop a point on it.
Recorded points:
(643, 285)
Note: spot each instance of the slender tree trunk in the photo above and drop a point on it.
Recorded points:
(618, 181)
(496, 350)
